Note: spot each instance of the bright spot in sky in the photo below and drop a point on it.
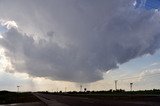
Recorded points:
(8, 24)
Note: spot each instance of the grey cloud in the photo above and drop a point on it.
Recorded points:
(77, 40)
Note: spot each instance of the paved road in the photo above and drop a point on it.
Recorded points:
(59, 100)
(49, 101)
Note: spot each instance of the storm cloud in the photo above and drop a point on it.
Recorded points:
(76, 40)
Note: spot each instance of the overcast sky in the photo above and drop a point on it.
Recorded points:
(71, 42)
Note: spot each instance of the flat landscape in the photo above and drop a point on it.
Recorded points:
(100, 101)
(102, 98)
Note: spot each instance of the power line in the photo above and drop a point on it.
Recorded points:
(148, 75)
(131, 84)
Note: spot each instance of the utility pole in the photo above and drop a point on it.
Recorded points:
(18, 88)
(80, 88)
(65, 89)
(131, 84)
(116, 84)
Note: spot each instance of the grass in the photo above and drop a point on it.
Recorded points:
(7, 97)
(142, 95)
(119, 92)
(118, 95)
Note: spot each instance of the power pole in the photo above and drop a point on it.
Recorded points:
(65, 89)
(131, 84)
(18, 88)
(116, 84)
(80, 88)
(57, 89)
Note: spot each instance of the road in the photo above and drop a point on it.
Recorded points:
(25, 104)
(60, 100)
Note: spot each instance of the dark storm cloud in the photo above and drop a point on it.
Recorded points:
(77, 40)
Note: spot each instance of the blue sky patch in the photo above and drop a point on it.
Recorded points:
(2, 29)
(148, 4)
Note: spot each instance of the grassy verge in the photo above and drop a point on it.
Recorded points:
(145, 95)
(13, 97)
